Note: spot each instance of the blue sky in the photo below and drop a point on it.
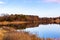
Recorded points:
(42, 8)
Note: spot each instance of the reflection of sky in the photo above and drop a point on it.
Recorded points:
(51, 31)
(33, 7)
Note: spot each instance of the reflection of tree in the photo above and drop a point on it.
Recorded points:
(22, 26)
(32, 21)
(17, 26)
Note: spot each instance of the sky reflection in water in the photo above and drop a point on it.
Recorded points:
(46, 31)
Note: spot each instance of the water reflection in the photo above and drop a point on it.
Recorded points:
(46, 31)
(43, 30)
(25, 25)
(22, 26)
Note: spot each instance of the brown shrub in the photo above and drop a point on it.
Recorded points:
(17, 36)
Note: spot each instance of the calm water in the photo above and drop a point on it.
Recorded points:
(46, 31)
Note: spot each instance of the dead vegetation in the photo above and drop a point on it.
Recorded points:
(12, 34)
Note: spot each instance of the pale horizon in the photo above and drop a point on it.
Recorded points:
(42, 8)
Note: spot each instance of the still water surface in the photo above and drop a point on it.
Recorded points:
(46, 31)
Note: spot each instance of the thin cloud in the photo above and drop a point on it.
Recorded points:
(1, 2)
(56, 1)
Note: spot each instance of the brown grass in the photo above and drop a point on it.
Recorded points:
(14, 22)
(12, 34)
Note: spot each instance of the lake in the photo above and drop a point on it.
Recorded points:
(46, 31)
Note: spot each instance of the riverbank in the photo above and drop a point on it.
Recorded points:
(7, 33)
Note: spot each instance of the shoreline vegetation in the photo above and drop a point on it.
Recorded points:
(7, 33)
(10, 23)
(26, 21)
(29, 18)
